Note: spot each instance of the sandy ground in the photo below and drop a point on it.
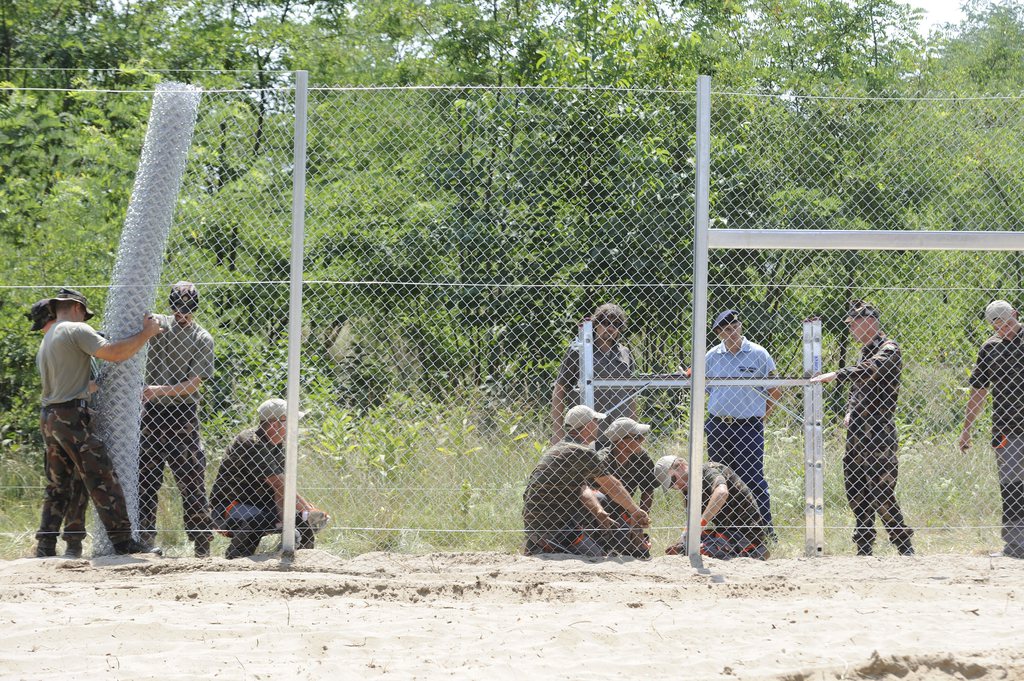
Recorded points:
(490, 616)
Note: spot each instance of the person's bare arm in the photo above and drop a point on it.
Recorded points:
(611, 486)
(646, 501)
(589, 498)
(177, 390)
(557, 412)
(975, 403)
(120, 350)
(774, 395)
(715, 503)
(277, 482)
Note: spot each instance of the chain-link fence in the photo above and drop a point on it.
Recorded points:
(454, 239)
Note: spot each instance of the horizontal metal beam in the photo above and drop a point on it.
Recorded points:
(663, 382)
(869, 240)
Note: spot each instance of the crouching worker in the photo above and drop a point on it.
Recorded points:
(561, 513)
(736, 527)
(248, 494)
(632, 466)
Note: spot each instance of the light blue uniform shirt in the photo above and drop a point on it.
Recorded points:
(752, 361)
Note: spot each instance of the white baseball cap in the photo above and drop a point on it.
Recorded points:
(661, 471)
(624, 427)
(998, 309)
(581, 415)
(274, 409)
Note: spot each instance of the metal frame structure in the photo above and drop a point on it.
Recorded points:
(814, 482)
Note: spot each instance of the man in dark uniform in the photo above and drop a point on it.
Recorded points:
(71, 446)
(870, 466)
(178, 362)
(629, 464)
(561, 512)
(248, 494)
(612, 359)
(42, 317)
(1000, 367)
(737, 528)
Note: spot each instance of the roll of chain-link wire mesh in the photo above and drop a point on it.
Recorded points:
(136, 275)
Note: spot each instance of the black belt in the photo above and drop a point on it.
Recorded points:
(733, 419)
(67, 405)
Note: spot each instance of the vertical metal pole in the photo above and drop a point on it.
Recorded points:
(295, 313)
(809, 490)
(701, 216)
(587, 363)
(818, 441)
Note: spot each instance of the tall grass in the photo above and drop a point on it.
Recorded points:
(416, 476)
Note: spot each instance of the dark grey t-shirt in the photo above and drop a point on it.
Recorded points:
(615, 363)
(178, 355)
(552, 502)
(243, 473)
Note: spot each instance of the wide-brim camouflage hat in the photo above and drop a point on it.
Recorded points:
(72, 294)
(40, 314)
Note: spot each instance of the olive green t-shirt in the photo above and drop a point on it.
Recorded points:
(177, 355)
(64, 361)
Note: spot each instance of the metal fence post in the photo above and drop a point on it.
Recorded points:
(700, 315)
(818, 441)
(295, 313)
(587, 362)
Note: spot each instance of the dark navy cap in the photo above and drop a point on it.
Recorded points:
(723, 318)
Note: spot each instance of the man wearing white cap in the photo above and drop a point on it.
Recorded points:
(561, 514)
(629, 464)
(248, 495)
(737, 529)
(1000, 368)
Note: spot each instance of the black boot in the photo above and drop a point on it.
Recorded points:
(73, 548)
(46, 548)
(130, 546)
(865, 549)
(202, 543)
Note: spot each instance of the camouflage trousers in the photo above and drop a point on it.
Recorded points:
(73, 451)
(62, 506)
(871, 490)
(170, 438)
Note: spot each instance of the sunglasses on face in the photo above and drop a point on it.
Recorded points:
(612, 322)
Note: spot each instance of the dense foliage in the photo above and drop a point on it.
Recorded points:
(470, 213)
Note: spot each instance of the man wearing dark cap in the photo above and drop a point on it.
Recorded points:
(177, 363)
(870, 466)
(736, 414)
(64, 366)
(73, 516)
(1000, 368)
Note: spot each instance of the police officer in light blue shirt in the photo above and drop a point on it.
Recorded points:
(736, 414)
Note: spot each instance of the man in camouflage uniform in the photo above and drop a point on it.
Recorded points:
(737, 527)
(1000, 367)
(71, 446)
(561, 511)
(177, 363)
(73, 515)
(870, 466)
